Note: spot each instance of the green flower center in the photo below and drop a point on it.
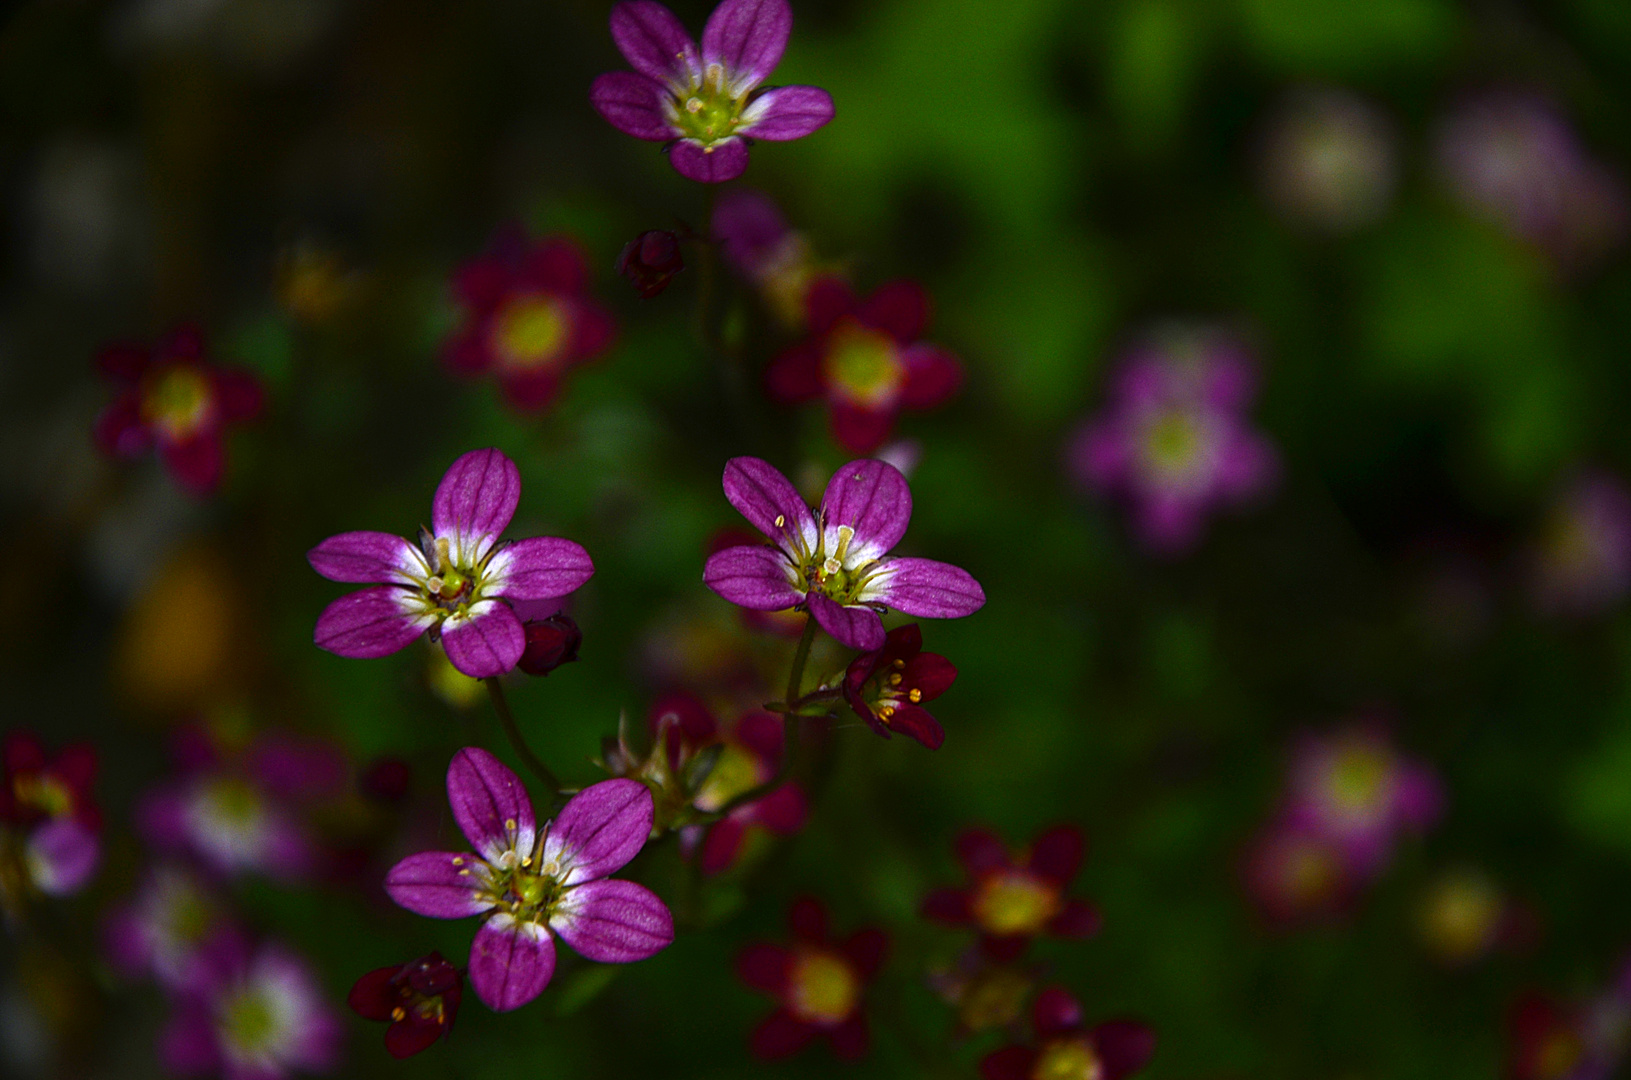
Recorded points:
(1359, 782)
(707, 113)
(233, 804)
(863, 365)
(250, 1021)
(1067, 1060)
(1015, 902)
(1173, 444)
(823, 988)
(530, 333)
(177, 401)
(520, 888)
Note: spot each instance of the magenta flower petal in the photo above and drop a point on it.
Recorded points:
(198, 463)
(371, 557)
(373, 622)
(751, 577)
(872, 498)
(722, 844)
(1077, 920)
(1009, 1063)
(438, 884)
(933, 375)
(770, 502)
(490, 804)
(632, 104)
(655, 42)
(510, 962)
(613, 921)
(714, 164)
(1055, 1013)
(541, 568)
(476, 500)
(120, 430)
(62, 855)
(900, 308)
(1123, 1046)
(981, 851)
(787, 112)
(915, 722)
(780, 1035)
(857, 627)
(764, 967)
(1057, 853)
(926, 588)
(748, 37)
(488, 642)
(599, 829)
(187, 1045)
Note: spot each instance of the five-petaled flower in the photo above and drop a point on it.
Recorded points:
(527, 317)
(706, 104)
(456, 584)
(865, 361)
(887, 687)
(817, 982)
(1011, 899)
(418, 999)
(1067, 1049)
(1174, 441)
(173, 399)
(527, 882)
(169, 929)
(49, 823)
(834, 563)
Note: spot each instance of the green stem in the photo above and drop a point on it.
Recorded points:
(801, 656)
(506, 719)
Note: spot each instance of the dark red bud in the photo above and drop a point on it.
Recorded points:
(551, 642)
(651, 260)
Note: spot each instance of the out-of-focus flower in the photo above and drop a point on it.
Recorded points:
(1549, 1040)
(258, 1016)
(168, 930)
(419, 999)
(386, 779)
(456, 584)
(1329, 160)
(983, 993)
(887, 687)
(865, 360)
(449, 683)
(706, 104)
(312, 282)
(1293, 875)
(551, 642)
(1514, 158)
(49, 823)
(528, 318)
(834, 563)
(1464, 916)
(1068, 1049)
(525, 881)
(173, 399)
(1173, 440)
(1013, 898)
(760, 246)
(1355, 788)
(818, 984)
(1583, 561)
(748, 756)
(651, 260)
(182, 644)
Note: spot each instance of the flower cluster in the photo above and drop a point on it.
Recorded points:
(1174, 442)
(50, 826)
(1553, 1040)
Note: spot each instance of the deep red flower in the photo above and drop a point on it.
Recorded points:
(528, 317)
(34, 789)
(886, 687)
(1546, 1041)
(1066, 1049)
(1011, 899)
(1295, 875)
(865, 360)
(817, 983)
(172, 398)
(419, 999)
(551, 642)
(651, 260)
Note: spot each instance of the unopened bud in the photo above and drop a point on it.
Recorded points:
(651, 260)
(551, 642)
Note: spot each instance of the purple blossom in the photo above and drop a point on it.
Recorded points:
(525, 881)
(1583, 564)
(457, 584)
(706, 104)
(258, 1016)
(1173, 441)
(834, 563)
(167, 929)
(1353, 788)
(759, 245)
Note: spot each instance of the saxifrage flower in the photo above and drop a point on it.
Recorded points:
(1067, 1049)
(834, 563)
(706, 104)
(887, 687)
(1012, 898)
(528, 317)
(168, 929)
(528, 883)
(864, 359)
(456, 584)
(419, 1000)
(50, 825)
(817, 982)
(1355, 788)
(174, 400)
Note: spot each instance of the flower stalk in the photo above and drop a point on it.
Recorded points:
(506, 719)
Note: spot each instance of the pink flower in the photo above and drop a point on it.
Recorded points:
(529, 883)
(1355, 789)
(707, 105)
(457, 585)
(865, 360)
(1067, 1048)
(173, 399)
(527, 318)
(50, 825)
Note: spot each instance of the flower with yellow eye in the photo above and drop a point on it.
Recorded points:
(1013, 898)
(1067, 1049)
(887, 687)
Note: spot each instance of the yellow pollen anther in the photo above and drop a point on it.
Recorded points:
(832, 565)
(845, 535)
(916, 695)
(458, 860)
(894, 680)
(398, 1013)
(444, 556)
(693, 105)
(885, 712)
(526, 861)
(900, 663)
(781, 519)
(509, 823)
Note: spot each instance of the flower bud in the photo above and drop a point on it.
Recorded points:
(551, 642)
(651, 260)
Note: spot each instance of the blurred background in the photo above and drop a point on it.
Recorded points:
(1411, 215)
